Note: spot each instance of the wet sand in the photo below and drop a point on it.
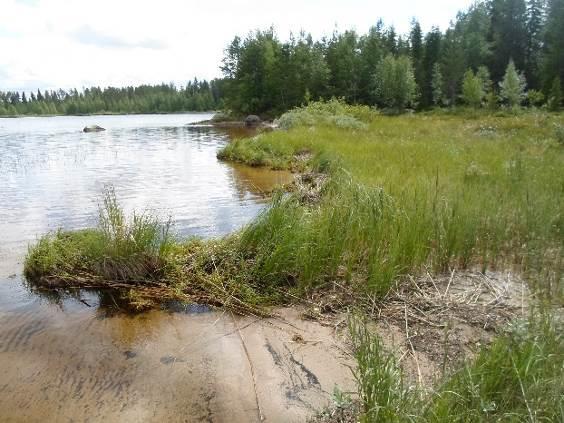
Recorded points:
(71, 362)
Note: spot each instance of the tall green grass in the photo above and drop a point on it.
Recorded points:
(126, 249)
(517, 378)
(413, 191)
(383, 392)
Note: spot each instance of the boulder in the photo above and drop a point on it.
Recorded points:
(93, 128)
(252, 120)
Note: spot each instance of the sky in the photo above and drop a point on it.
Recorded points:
(50, 44)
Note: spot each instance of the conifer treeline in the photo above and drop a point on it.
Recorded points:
(164, 98)
(498, 52)
(266, 76)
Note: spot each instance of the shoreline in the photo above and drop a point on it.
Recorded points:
(114, 114)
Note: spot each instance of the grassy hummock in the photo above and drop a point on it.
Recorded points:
(120, 250)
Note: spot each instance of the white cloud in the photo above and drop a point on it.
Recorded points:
(61, 43)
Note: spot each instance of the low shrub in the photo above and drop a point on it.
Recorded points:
(333, 113)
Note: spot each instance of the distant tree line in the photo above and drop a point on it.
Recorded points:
(498, 52)
(164, 98)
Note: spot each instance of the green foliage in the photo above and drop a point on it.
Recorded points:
(383, 393)
(516, 378)
(395, 82)
(559, 134)
(553, 47)
(120, 249)
(431, 64)
(484, 75)
(333, 112)
(343, 60)
(555, 98)
(472, 89)
(452, 65)
(266, 76)
(508, 35)
(196, 96)
(512, 88)
(535, 98)
(437, 85)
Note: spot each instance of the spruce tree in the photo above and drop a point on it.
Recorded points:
(437, 85)
(512, 88)
(431, 58)
(555, 98)
(553, 54)
(508, 34)
(416, 40)
(535, 22)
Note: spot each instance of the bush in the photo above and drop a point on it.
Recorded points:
(535, 98)
(332, 113)
(472, 89)
(555, 97)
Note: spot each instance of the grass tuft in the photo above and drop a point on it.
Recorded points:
(517, 378)
(120, 249)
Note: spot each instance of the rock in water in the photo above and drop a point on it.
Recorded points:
(93, 128)
(252, 120)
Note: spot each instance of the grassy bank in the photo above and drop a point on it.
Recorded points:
(413, 191)
(381, 200)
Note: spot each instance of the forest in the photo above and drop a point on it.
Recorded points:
(164, 98)
(498, 52)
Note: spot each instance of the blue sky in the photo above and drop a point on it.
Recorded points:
(50, 44)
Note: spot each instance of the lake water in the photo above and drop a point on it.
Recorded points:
(52, 175)
(67, 358)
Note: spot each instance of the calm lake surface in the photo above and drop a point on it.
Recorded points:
(52, 176)
(67, 358)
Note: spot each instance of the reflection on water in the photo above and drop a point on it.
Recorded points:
(52, 175)
(66, 356)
